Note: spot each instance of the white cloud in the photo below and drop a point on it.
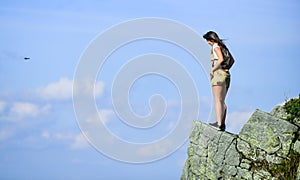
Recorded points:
(105, 115)
(236, 120)
(88, 85)
(57, 136)
(20, 110)
(63, 136)
(23, 109)
(155, 150)
(62, 89)
(46, 135)
(99, 88)
(79, 142)
(74, 141)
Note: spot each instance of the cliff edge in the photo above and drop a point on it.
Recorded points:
(267, 147)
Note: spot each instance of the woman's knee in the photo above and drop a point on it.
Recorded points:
(220, 100)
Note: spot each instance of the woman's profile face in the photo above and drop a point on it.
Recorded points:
(210, 42)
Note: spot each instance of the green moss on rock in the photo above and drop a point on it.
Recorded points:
(266, 148)
(292, 107)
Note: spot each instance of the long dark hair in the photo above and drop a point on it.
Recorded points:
(212, 36)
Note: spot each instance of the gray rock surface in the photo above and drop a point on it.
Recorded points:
(267, 147)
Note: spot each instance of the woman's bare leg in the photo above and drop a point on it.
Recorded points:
(219, 93)
(224, 115)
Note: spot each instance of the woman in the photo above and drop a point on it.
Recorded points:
(220, 76)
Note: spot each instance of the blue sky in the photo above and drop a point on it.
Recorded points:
(39, 135)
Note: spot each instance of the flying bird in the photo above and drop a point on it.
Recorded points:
(26, 58)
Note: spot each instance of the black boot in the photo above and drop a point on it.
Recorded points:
(220, 128)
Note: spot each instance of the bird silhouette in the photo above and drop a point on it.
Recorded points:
(26, 58)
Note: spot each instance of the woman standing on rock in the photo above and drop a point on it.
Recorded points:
(222, 61)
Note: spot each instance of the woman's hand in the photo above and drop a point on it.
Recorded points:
(211, 74)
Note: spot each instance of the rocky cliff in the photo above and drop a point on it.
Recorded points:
(267, 147)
